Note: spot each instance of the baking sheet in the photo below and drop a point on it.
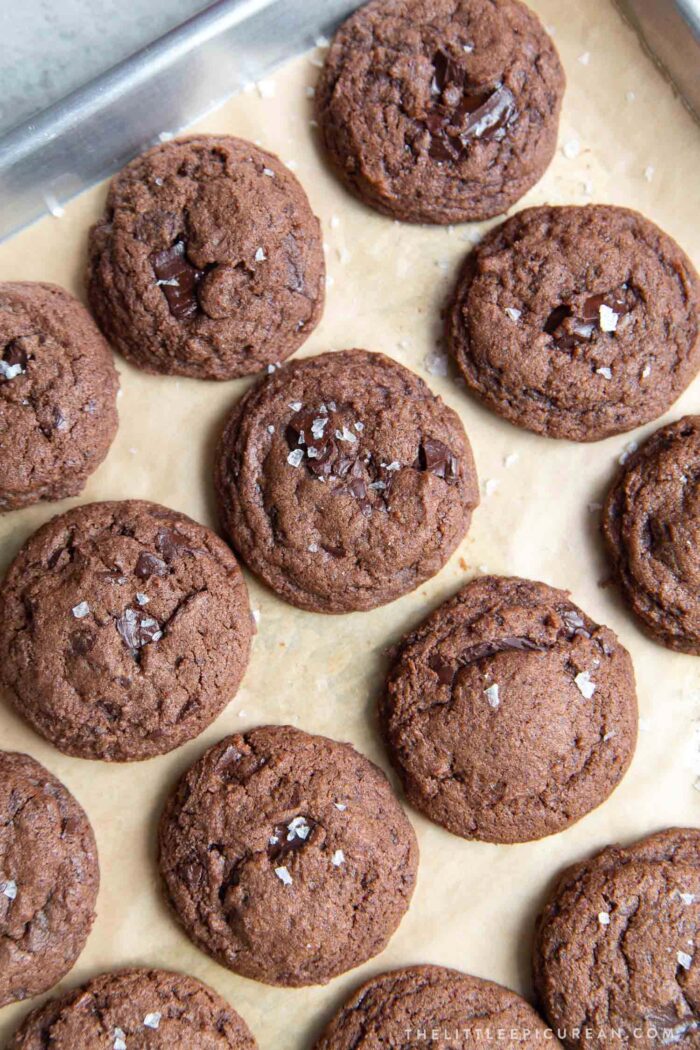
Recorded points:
(625, 139)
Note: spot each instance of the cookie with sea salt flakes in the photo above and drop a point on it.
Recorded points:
(58, 391)
(577, 322)
(124, 630)
(651, 525)
(616, 944)
(286, 856)
(135, 1009)
(440, 111)
(509, 714)
(343, 482)
(433, 1006)
(49, 876)
(208, 261)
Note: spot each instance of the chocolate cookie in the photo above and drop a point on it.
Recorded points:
(651, 525)
(440, 111)
(286, 856)
(49, 877)
(615, 946)
(58, 390)
(508, 713)
(135, 1010)
(208, 261)
(344, 482)
(575, 322)
(433, 1006)
(124, 630)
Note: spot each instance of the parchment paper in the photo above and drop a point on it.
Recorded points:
(474, 903)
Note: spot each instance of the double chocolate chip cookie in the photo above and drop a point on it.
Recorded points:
(651, 525)
(440, 111)
(49, 877)
(433, 1006)
(577, 322)
(343, 482)
(616, 945)
(208, 261)
(58, 390)
(135, 1010)
(124, 630)
(286, 856)
(508, 713)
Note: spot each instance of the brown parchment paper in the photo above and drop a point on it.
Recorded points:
(475, 903)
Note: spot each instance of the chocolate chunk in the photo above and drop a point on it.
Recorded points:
(14, 354)
(437, 458)
(465, 111)
(149, 565)
(137, 629)
(291, 837)
(82, 642)
(178, 279)
(558, 314)
(445, 671)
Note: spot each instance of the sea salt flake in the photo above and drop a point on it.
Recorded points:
(604, 918)
(266, 88)
(322, 42)
(646, 371)
(571, 149)
(298, 829)
(119, 1039)
(609, 736)
(492, 696)
(490, 486)
(340, 805)
(330, 281)
(310, 91)
(291, 164)
(256, 615)
(338, 858)
(335, 222)
(295, 457)
(630, 96)
(313, 548)
(627, 451)
(394, 465)
(378, 485)
(467, 48)
(608, 319)
(649, 172)
(605, 372)
(80, 610)
(584, 684)
(514, 314)
(142, 598)
(359, 426)
(260, 255)
(10, 371)
(53, 205)
(271, 428)
(585, 58)
(152, 1020)
(511, 459)
(295, 406)
(687, 898)
(436, 364)
(684, 960)
(168, 282)
(269, 172)
(283, 875)
(9, 889)
(346, 435)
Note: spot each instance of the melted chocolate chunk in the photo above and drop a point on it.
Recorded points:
(581, 330)
(14, 354)
(82, 642)
(290, 838)
(137, 629)
(463, 111)
(447, 672)
(149, 565)
(437, 458)
(178, 280)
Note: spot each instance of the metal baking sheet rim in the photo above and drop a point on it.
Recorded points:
(193, 69)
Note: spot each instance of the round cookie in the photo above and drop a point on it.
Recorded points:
(124, 630)
(508, 713)
(49, 878)
(343, 482)
(433, 1006)
(615, 946)
(576, 322)
(58, 391)
(208, 260)
(440, 111)
(135, 1009)
(651, 525)
(286, 856)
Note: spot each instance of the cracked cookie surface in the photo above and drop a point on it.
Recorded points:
(58, 389)
(135, 1009)
(286, 856)
(616, 945)
(440, 111)
(49, 876)
(432, 1005)
(508, 713)
(651, 525)
(577, 322)
(343, 482)
(208, 261)
(124, 630)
